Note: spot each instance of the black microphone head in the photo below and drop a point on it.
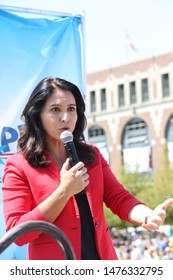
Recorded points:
(66, 136)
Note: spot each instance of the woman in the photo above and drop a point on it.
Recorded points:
(40, 184)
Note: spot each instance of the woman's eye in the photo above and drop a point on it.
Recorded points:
(72, 109)
(54, 109)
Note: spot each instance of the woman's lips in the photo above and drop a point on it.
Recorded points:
(64, 128)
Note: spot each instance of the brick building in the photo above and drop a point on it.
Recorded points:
(130, 112)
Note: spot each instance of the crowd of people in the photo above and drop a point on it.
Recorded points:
(144, 245)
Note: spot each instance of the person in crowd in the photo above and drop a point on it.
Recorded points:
(39, 182)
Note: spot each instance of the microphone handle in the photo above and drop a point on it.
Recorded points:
(71, 152)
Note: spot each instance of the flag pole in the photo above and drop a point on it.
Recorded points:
(126, 47)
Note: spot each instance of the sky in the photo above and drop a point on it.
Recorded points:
(148, 23)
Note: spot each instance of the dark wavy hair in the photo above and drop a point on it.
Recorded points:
(32, 141)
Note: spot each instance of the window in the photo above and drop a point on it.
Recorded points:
(93, 101)
(136, 148)
(165, 85)
(96, 131)
(170, 130)
(144, 90)
(121, 101)
(97, 136)
(136, 134)
(103, 99)
(132, 92)
(169, 137)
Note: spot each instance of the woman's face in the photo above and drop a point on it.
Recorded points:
(58, 114)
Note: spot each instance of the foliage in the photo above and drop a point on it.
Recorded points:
(151, 189)
(114, 221)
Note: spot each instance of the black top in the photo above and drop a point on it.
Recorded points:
(88, 245)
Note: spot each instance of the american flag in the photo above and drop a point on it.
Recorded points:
(130, 43)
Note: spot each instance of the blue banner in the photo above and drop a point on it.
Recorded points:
(32, 48)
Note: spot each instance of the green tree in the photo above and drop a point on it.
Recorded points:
(150, 189)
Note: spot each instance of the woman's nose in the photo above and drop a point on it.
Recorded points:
(64, 117)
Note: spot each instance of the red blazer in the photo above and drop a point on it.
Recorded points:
(24, 187)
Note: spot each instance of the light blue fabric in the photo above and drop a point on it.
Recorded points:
(30, 49)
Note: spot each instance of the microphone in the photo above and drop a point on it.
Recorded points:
(67, 139)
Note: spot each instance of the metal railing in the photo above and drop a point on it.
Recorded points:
(43, 227)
